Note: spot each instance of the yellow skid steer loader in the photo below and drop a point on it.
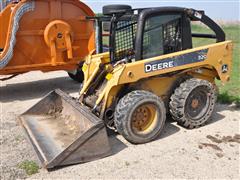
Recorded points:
(151, 69)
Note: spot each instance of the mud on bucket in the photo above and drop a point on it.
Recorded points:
(63, 132)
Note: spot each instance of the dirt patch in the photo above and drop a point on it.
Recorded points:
(213, 146)
(220, 155)
(64, 129)
(217, 139)
(224, 139)
(214, 139)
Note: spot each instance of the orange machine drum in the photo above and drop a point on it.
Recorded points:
(44, 35)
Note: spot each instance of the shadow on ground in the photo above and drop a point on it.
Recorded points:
(117, 145)
(215, 117)
(169, 129)
(36, 89)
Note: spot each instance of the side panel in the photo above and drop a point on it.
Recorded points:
(207, 62)
(217, 56)
(162, 86)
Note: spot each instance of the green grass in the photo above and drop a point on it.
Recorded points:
(225, 98)
(106, 41)
(30, 167)
(230, 92)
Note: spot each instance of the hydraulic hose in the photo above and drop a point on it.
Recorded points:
(7, 54)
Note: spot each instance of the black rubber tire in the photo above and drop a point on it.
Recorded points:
(180, 101)
(125, 109)
(116, 9)
(78, 77)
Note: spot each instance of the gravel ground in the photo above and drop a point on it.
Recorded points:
(209, 152)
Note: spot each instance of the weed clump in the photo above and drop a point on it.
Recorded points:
(30, 167)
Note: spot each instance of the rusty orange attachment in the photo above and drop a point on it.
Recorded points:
(195, 103)
(45, 35)
(144, 117)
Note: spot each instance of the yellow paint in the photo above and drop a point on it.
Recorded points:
(109, 76)
(84, 68)
(159, 82)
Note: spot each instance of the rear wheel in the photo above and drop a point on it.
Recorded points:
(193, 102)
(140, 116)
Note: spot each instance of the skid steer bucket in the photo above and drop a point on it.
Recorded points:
(63, 132)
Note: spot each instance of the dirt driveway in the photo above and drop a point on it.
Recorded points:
(208, 152)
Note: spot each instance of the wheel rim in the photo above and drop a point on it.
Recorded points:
(197, 103)
(144, 119)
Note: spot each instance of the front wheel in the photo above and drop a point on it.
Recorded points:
(140, 116)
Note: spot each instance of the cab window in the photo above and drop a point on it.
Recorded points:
(162, 35)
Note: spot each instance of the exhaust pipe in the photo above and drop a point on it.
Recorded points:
(109, 114)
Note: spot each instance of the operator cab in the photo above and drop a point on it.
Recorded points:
(137, 34)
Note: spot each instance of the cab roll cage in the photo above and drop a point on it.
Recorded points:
(143, 14)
